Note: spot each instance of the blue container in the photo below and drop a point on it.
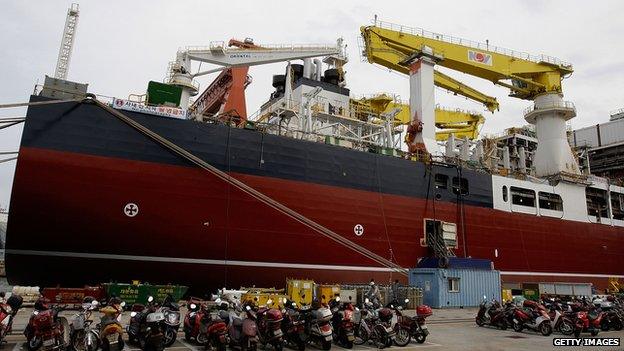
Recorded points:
(456, 287)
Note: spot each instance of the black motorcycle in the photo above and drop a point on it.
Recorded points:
(146, 326)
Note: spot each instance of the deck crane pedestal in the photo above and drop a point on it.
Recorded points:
(529, 77)
(240, 56)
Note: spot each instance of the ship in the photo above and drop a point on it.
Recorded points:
(112, 191)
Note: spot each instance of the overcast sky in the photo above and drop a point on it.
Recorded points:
(121, 45)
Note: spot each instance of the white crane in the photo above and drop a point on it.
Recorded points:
(67, 42)
(218, 54)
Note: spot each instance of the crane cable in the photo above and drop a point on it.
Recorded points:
(247, 189)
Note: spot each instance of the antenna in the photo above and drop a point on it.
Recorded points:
(67, 42)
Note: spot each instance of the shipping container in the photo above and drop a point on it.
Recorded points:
(325, 293)
(456, 287)
(138, 293)
(300, 291)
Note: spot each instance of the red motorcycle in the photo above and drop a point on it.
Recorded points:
(293, 326)
(8, 311)
(342, 322)
(193, 323)
(46, 329)
(590, 320)
(533, 317)
(214, 327)
(415, 327)
(269, 322)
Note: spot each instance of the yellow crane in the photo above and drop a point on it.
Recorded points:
(461, 123)
(530, 77)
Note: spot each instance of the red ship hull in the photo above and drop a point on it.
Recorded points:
(194, 227)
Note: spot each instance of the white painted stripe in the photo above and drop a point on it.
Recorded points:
(266, 264)
(548, 274)
(197, 261)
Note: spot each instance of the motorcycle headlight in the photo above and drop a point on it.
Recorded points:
(172, 318)
(133, 314)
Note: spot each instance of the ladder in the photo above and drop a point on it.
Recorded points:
(67, 42)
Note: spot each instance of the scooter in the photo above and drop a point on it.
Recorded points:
(8, 310)
(145, 328)
(411, 327)
(269, 322)
(193, 321)
(215, 328)
(243, 331)
(342, 322)
(375, 326)
(491, 313)
(171, 312)
(109, 330)
(47, 330)
(533, 317)
(293, 326)
(318, 325)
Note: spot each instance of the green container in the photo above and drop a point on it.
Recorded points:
(138, 293)
(163, 94)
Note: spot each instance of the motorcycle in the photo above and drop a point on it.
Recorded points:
(46, 329)
(8, 310)
(375, 326)
(491, 313)
(110, 330)
(533, 317)
(214, 328)
(269, 322)
(145, 328)
(408, 327)
(293, 326)
(612, 319)
(81, 336)
(171, 312)
(342, 322)
(243, 331)
(193, 322)
(318, 326)
(560, 320)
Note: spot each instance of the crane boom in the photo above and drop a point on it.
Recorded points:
(67, 42)
(529, 75)
(217, 53)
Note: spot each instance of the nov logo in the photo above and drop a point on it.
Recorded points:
(480, 57)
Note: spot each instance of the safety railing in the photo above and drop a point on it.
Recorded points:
(568, 105)
(290, 47)
(473, 44)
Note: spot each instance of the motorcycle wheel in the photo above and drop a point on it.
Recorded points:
(78, 340)
(326, 345)
(301, 345)
(479, 321)
(361, 335)
(348, 344)
(388, 342)
(187, 336)
(517, 326)
(604, 325)
(545, 328)
(420, 338)
(403, 337)
(594, 332)
(170, 336)
(577, 332)
(278, 346)
(221, 347)
(617, 325)
(503, 325)
(34, 344)
(202, 339)
(566, 327)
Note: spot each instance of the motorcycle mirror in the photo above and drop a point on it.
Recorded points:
(150, 299)
(248, 308)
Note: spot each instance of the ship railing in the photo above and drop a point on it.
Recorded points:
(472, 44)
